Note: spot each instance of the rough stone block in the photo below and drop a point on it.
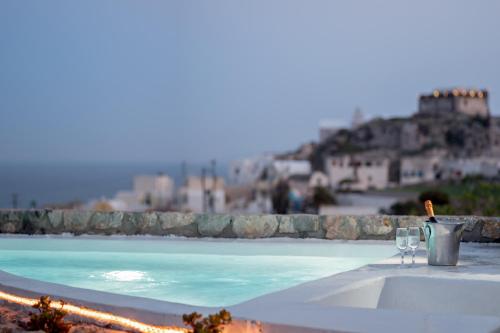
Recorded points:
(305, 222)
(55, 218)
(285, 224)
(177, 224)
(172, 220)
(11, 221)
(149, 224)
(255, 226)
(212, 225)
(491, 229)
(35, 222)
(376, 225)
(409, 221)
(341, 227)
(130, 223)
(77, 221)
(107, 223)
(300, 224)
(9, 228)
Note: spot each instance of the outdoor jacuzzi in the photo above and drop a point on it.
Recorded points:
(198, 272)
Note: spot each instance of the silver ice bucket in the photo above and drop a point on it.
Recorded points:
(443, 242)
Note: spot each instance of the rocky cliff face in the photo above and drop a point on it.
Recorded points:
(460, 135)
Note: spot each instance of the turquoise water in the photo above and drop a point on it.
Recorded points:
(197, 272)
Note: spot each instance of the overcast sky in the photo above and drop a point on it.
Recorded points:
(100, 80)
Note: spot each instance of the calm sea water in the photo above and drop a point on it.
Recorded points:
(57, 183)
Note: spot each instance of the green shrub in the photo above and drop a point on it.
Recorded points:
(322, 196)
(409, 207)
(437, 197)
(48, 319)
(212, 324)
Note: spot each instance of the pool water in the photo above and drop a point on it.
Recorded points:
(196, 272)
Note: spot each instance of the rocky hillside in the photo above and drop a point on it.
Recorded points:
(459, 135)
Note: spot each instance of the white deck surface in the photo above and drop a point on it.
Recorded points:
(382, 297)
(416, 299)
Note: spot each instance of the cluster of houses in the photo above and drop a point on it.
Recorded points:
(399, 153)
(253, 181)
(425, 147)
(158, 192)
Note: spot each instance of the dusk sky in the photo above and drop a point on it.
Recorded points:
(129, 81)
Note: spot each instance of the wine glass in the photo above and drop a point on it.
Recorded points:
(413, 241)
(402, 242)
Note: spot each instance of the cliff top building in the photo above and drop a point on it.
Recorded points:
(471, 102)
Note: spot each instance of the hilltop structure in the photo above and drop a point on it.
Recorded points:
(470, 102)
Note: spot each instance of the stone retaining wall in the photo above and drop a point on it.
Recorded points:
(479, 229)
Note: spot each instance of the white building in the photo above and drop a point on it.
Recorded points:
(156, 191)
(203, 195)
(358, 172)
(149, 192)
(479, 166)
(294, 171)
(287, 168)
(435, 165)
(422, 168)
(246, 171)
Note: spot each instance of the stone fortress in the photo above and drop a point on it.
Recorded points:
(458, 100)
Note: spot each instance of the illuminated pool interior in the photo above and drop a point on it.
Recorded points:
(197, 272)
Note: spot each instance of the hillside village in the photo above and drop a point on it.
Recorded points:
(451, 136)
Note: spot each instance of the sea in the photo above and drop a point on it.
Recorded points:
(53, 183)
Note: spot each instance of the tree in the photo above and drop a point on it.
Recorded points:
(280, 197)
(322, 196)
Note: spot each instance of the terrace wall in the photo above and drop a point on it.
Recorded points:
(478, 229)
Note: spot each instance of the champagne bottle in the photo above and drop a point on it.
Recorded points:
(430, 211)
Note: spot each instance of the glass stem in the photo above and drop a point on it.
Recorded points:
(402, 258)
(412, 256)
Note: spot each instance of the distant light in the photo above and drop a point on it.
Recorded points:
(472, 93)
(480, 94)
(436, 93)
(455, 92)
